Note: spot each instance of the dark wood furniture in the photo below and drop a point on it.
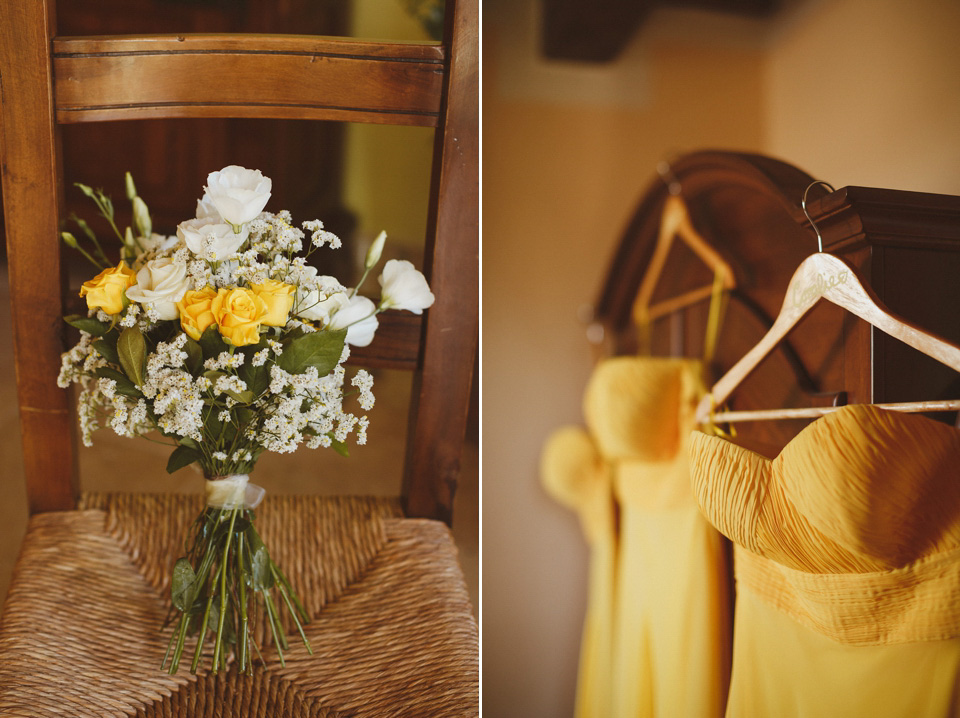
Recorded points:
(905, 245)
(168, 158)
(50, 81)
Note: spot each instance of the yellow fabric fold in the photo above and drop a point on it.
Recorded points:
(847, 563)
(575, 475)
(671, 619)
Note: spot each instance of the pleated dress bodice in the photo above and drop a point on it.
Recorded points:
(847, 562)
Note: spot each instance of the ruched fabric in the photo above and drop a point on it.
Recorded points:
(847, 562)
(669, 640)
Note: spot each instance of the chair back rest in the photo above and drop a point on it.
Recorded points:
(49, 81)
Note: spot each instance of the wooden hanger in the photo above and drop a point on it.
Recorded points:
(824, 276)
(675, 222)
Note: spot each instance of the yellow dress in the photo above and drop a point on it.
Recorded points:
(667, 611)
(573, 472)
(847, 559)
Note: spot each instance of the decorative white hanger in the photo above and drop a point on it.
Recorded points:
(675, 222)
(824, 276)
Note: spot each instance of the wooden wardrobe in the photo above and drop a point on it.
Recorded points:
(905, 246)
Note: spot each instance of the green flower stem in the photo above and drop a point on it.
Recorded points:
(218, 646)
(282, 577)
(203, 629)
(278, 637)
(276, 619)
(181, 637)
(99, 265)
(243, 636)
(173, 635)
(366, 271)
(293, 613)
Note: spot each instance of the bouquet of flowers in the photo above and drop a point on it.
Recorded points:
(228, 343)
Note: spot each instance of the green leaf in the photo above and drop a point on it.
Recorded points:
(320, 349)
(124, 385)
(340, 447)
(244, 415)
(243, 397)
(132, 351)
(261, 577)
(107, 348)
(257, 378)
(212, 343)
(182, 584)
(181, 456)
(88, 324)
(194, 356)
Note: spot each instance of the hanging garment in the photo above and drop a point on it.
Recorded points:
(656, 636)
(671, 625)
(574, 474)
(847, 559)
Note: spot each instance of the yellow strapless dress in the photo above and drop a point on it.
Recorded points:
(847, 560)
(669, 648)
(574, 474)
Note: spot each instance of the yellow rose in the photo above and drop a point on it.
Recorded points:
(238, 313)
(108, 290)
(195, 312)
(279, 299)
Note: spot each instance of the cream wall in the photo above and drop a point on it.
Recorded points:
(853, 91)
(564, 160)
(867, 92)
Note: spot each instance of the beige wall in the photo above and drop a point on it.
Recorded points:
(564, 160)
(867, 92)
(854, 91)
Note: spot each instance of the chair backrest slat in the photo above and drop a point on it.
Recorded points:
(113, 78)
(47, 81)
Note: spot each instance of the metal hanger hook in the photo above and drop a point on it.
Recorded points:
(668, 177)
(803, 205)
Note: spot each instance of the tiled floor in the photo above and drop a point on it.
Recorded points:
(117, 464)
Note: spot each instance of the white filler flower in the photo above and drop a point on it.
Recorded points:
(404, 287)
(238, 194)
(162, 283)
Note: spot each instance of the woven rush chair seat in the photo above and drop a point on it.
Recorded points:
(391, 629)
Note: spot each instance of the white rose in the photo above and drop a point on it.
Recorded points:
(206, 210)
(359, 318)
(318, 297)
(404, 287)
(208, 239)
(161, 283)
(238, 194)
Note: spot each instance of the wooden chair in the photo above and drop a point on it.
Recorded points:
(395, 635)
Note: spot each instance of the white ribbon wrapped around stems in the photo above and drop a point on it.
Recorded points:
(231, 492)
